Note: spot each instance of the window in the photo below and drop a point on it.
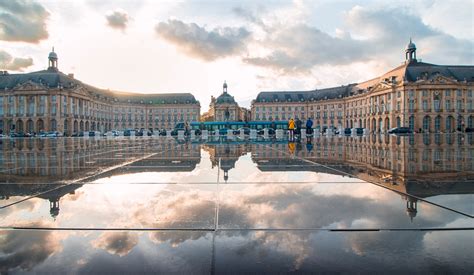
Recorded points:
(426, 123)
(459, 93)
(398, 106)
(459, 104)
(425, 105)
(447, 93)
(469, 93)
(11, 105)
(437, 124)
(425, 93)
(411, 123)
(437, 105)
(399, 94)
(1, 106)
(411, 93)
(469, 105)
(448, 105)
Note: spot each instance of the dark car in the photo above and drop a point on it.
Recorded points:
(223, 131)
(174, 132)
(15, 135)
(400, 130)
(469, 130)
(359, 131)
(245, 130)
(269, 130)
(162, 132)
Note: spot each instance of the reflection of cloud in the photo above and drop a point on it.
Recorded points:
(23, 21)
(118, 243)
(26, 249)
(7, 62)
(198, 42)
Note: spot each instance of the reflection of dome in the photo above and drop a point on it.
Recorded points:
(225, 98)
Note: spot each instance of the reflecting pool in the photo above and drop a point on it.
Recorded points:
(222, 205)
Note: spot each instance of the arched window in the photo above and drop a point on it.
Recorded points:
(411, 123)
(437, 124)
(426, 123)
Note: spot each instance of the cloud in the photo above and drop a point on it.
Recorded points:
(387, 31)
(117, 19)
(7, 62)
(302, 47)
(198, 42)
(119, 243)
(26, 249)
(23, 20)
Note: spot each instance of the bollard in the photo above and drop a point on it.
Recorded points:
(279, 133)
(205, 134)
(253, 134)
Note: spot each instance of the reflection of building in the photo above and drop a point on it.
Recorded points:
(421, 166)
(418, 95)
(43, 167)
(225, 155)
(225, 108)
(49, 100)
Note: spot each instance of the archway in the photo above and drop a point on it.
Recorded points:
(75, 126)
(449, 124)
(81, 126)
(437, 124)
(387, 123)
(19, 126)
(470, 122)
(426, 124)
(87, 126)
(54, 126)
(460, 123)
(380, 129)
(374, 125)
(40, 125)
(66, 126)
(93, 126)
(399, 122)
(411, 123)
(30, 126)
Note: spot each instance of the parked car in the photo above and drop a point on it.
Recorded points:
(162, 132)
(270, 131)
(245, 130)
(400, 130)
(17, 134)
(469, 130)
(359, 131)
(223, 131)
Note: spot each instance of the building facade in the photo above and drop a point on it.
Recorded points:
(49, 100)
(422, 96)
(225, 108)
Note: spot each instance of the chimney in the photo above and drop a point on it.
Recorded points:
(70, 75)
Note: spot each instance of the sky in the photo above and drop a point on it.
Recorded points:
(183, 46)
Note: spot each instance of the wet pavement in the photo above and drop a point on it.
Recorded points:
(157, 204)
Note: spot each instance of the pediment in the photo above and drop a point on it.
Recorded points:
(437, 79)
(29, 86)
(381, 86)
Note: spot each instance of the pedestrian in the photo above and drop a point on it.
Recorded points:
(291, 129)
(309, 127)
(298, 127)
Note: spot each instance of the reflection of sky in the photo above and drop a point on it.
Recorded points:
(251, 199)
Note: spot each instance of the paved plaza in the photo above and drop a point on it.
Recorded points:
(157, 204)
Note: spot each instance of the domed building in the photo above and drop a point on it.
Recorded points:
(225, 108)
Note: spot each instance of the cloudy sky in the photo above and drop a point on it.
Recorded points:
(193, 46)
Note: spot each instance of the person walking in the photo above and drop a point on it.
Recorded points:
(309, 127)
(291, 129)
(298, 127)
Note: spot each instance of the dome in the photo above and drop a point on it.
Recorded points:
(225, 98)
(52, 55)
(411, 46)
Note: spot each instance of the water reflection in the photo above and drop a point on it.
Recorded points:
(266, 214)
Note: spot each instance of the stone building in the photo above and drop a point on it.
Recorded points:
(422, 96)
(49, 100)
(225, 108)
